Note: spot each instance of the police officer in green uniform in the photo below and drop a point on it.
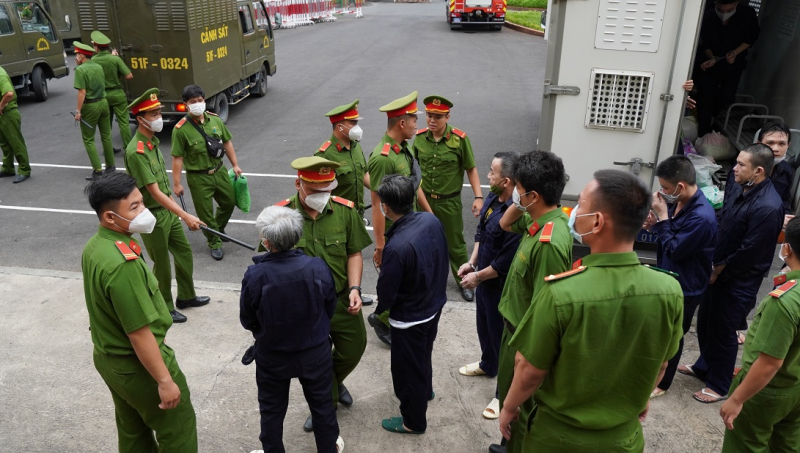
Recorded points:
(115, 70)
(206, 176)
(444, 154)
(545, 249)
(762, 412)
(11, 140)
(128, 320)
(92, 111)
(392, 156)
(333, 230)
(144, 161)
(596, 338)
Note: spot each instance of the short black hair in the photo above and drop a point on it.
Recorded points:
(543, 172)
(109, 188)
(392, 122)
(775, 126)
(677, 169)
(624, 198)
(726, 2)
(192, 91)
(792, 234)
(507, 161)
(397, 191)
(760, 156)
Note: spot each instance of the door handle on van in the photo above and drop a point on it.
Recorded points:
(636, 165)
(31, 49)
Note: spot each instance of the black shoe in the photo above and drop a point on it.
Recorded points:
(366, 301)
(6, 175)
(308, 426)
(222, 238)
(217, 254)
(95, 175)
(249, 355)
(344, 396)
(383, 332)
(198, 301)
(21, 178)
(495, 448)
(178, 316)
(110, 170)
(468, 294)
(117, 150)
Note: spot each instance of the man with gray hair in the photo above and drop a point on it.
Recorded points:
(287, 302)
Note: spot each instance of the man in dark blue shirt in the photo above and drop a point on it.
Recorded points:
(749, 225)
(412, 284)
(686, 226)
(778, 137)
(287, 302)
(488, 267)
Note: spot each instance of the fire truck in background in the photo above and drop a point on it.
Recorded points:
(470, 13)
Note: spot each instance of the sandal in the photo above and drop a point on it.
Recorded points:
(688, 371)
(395, 425)
(707, 392)
(657, 392)
(492, 411)
(473, 369)
(339, 445)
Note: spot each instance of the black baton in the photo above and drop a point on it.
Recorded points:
(217, 233)
(82, 120)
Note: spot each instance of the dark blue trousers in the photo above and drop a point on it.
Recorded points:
(717, 319)
(274, 372)
(690, 304)
(412, 374)
(490, 326)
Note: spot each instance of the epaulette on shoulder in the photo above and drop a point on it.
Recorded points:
(212, 113)
(783, 289)
(563, 275)
(343, 201)
(670, 273)
(324, 146)
(140, 147)
(459, 132)
(180, 123)
(547, 232)
(386, 148)
(126, 251)
(779, 280)
(422, 131)
(283, 202)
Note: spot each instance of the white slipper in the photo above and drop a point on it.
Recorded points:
(657, 392)
(492, 411)
(257, 451)
(473, 369)
(340, 444)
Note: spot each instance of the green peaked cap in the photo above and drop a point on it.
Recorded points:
(150, 97)
(337, 112)
(82, 46)
(392, 108)
(437, 100)
(100, 39)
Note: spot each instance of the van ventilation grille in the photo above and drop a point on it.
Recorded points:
(93, 16)
(170, 16)
(619, 100)
(211, 13)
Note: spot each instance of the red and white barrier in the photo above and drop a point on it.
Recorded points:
(293, 13)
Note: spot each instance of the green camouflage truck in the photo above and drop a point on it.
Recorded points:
(31, 50)
(225, 46)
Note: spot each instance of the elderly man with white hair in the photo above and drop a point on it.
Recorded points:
(287, 302)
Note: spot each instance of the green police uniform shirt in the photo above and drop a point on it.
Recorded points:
(602, 334)
(89, 76)
(121, 293)
(350, 175)
(144, 161)
(5, 87)
(114, 69)
(336, 233)
(191, 146)
(388, 158)
(534, 260)
(775, 331)
(443, 163)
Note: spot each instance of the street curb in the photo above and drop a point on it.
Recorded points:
(525, 30)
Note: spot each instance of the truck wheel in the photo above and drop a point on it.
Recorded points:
(221, 107)
(260, 88)
(497, 27)
(39, 84)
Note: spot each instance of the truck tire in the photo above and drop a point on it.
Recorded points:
(221, 107)
(39, 84)
(260, 88)
(497, 27)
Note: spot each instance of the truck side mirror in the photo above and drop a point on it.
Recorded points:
(69, 22)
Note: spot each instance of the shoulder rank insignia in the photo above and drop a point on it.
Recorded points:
(459, 132)
(180, 123)
(783, 289)
(533, 229)
(396, 148)
(577, 263)
(422, 131)
(779, 280)
(324, 146)
(282, 203)
(135, 247)
(570, 273)
(385, 150)
(126, 251)
(547, 232)
(343, 201)
(212, 113)
(670, 273)
(140, 147)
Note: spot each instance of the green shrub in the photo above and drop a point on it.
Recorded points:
(530, 19)
(528, 3)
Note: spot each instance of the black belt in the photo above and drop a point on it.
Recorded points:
(509, 326)
(443, 197)
(92, 101)
(208, 171)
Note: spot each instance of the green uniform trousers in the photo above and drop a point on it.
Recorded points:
(768, 423)
(449, 212)
(118, 107)
(13, 144)
(505, 374)
(349, 337)
(204, 188)
(168, 238)
(97, 116)
(136, 400)
(547, 434)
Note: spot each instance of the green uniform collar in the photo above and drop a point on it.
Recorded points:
(390, 140)
(339, 146)
(112, 235)
(547, 217)
(793, 275)
(611, 259)
(446, 136)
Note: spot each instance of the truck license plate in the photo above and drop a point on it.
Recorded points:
(456, 20)
(645, 236)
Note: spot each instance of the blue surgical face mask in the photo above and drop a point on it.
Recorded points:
(574, 215)
(380, 206)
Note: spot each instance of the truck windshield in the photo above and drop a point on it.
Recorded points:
(478, 3)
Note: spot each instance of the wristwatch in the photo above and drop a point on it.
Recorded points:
(356, 288)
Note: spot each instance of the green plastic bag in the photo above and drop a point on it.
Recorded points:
(240, 190)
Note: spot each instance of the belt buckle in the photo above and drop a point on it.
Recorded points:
(434, 196)
(212, 171)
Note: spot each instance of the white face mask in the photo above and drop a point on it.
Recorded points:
(197, 108)
(571, 223)
(780, 253)
(380, 206)
(264, 244)
(355, 133)
(725, 16)
(780, 159)
(155, 125)
(515, 197)
(144, 222)
(317, 201)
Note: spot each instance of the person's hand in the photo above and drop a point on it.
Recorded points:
(77, 116)
(730, 57)
(465, 269)
(649, 221)
(690, 103)
(476, 206)
(659, 206)
(708, 63)
(170, 395)
(193, 222)
(377, 257)
(506, 417)
(355, 302)
(729, 411)
(643, 415)
(688, 85)
(786, 220)
(177, 189)
(470, 281)
(715, 271)
(114, 51)
(237, 171)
